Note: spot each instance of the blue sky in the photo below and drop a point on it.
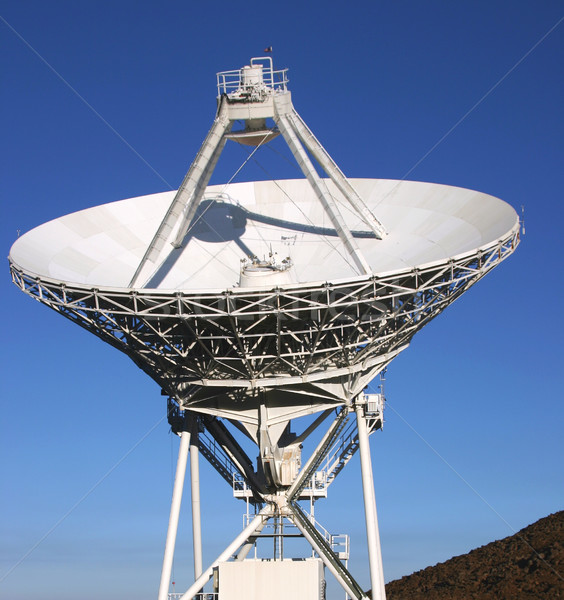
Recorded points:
(472, 445)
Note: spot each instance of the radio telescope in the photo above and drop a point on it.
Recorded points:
(254, 304)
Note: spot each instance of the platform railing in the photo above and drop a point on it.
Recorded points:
(240, 487)
(229, 82)
(339, 542)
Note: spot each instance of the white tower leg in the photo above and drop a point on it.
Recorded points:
(372, 533)
(195, 487)
(174, 514)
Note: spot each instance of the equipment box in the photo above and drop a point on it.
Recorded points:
(297, 579)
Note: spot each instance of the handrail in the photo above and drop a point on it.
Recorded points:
(325, 552)
(319, 455)
(229, 82)
(259, 60)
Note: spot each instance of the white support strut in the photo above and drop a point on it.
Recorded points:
(182, 209)
(265, 513)
(337, 176)
(195, 489)
(372, 533)
(197, 178)
(174, 514)
(320, 188)
(248, 545)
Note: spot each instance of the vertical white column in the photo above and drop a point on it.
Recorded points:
(372, 533)
(174, 514)
(195, 486)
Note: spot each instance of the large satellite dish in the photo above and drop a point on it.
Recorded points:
(256, 303)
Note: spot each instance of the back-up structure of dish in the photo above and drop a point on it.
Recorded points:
(253, 304)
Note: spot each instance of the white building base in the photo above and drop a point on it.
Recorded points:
(295, 579)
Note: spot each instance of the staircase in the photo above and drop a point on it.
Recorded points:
(323, 547)
(217, 457)
(308, 472)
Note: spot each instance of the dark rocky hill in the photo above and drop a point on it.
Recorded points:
(527, 565)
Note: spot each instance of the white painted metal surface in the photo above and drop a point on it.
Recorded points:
(370, 512)
(174, 514)
(195, 498)
(102, 246)
(272, 580)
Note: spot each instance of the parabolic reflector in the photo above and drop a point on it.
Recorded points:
(309, 337)
(102, 246)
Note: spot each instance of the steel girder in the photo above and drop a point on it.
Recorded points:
(240, 339)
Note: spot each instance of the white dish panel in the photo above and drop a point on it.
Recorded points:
(102, 246)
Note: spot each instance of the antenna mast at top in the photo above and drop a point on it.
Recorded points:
(253, 94)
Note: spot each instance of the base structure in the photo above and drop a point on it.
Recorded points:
(276, 495)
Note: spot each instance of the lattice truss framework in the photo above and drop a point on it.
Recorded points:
(245, 338)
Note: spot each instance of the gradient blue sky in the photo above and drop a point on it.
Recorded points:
(380, 83)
